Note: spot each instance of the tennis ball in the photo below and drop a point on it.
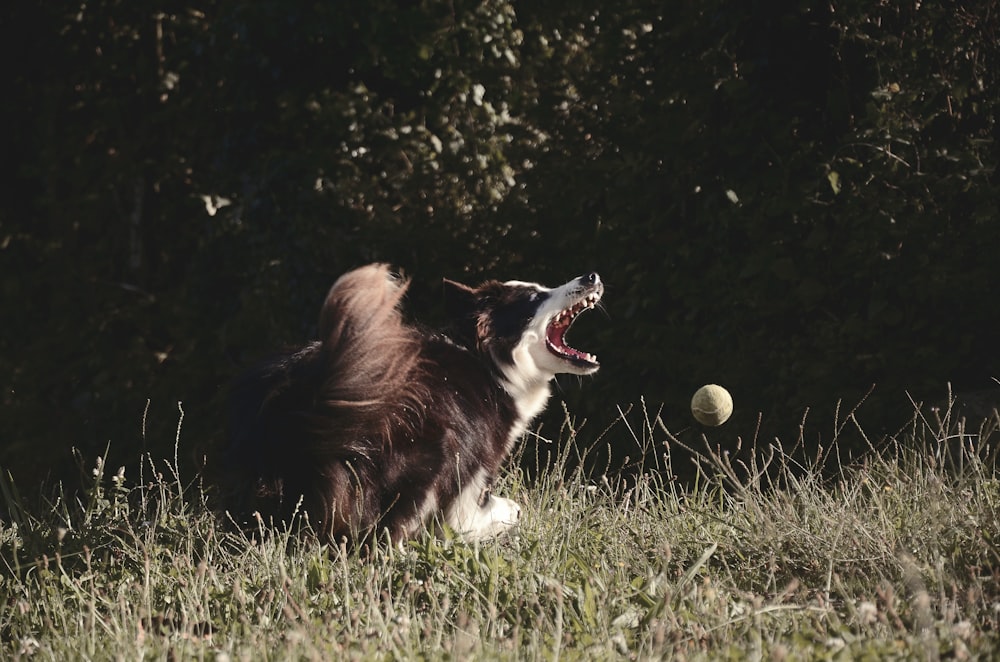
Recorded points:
(712, 405)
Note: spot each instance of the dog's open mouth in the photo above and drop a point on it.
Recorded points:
(555, 334)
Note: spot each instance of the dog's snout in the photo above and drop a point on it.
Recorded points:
(591, 279)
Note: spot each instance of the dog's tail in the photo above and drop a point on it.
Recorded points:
(371, 355)
(316, 423)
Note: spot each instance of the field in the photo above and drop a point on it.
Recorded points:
(770, 556)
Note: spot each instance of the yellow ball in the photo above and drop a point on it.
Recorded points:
(712, 405)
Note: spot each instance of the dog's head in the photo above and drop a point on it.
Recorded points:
(522, 326)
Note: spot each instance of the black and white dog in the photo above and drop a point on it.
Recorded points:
(381, 425)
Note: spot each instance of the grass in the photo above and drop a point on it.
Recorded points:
(766, 557)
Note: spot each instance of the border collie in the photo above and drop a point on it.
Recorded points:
(381, 426)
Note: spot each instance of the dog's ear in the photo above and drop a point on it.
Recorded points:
(459, 299)
(462, 305)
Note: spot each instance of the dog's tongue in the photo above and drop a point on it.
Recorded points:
(556, 335)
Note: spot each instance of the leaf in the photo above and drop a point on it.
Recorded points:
(834, 178)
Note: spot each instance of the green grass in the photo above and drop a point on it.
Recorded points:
(770, 558)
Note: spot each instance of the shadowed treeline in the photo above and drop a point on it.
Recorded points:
(794, 201)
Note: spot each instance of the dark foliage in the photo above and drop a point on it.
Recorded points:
(796, 200)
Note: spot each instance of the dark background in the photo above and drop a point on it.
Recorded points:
(796, 200)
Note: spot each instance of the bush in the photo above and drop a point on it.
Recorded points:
(795, 201)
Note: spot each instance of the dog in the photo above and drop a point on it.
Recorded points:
(381, 425)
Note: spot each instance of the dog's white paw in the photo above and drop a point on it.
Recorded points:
(494, 518)
(490, 520)
(503, 512)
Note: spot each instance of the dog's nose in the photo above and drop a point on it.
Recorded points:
(591, 279)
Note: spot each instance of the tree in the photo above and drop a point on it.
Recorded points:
(794, 201)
